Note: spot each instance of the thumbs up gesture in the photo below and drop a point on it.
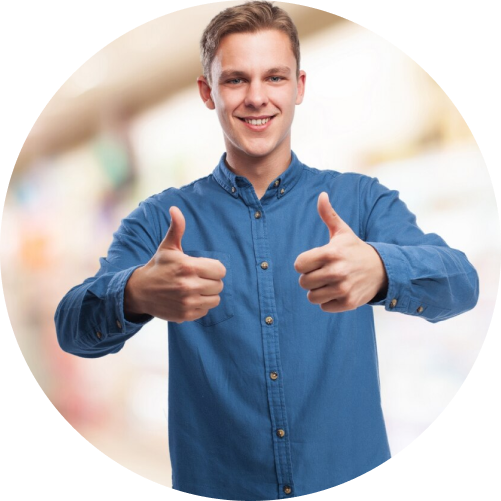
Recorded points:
(172, 285)
(345, 273)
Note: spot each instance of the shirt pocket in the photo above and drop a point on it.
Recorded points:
(224, 310)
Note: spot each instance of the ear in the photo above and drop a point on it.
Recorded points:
(205, 92)
(301, 82)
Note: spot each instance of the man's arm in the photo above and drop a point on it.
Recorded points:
(140, 279)
(392, 262)
(90, 320)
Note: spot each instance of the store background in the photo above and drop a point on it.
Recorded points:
(447, 143)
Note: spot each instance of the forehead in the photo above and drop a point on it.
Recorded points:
(254, 52)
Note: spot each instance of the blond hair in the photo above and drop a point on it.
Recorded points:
(249, 17)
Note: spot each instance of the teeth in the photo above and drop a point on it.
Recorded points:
(259, 121)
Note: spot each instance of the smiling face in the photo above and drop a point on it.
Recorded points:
(254, 92)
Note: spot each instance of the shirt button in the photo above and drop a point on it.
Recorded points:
(233, 189)
(268, 320)
(119, 325)
(287, 489)
(264, 265)
(257, 214)
(393, 303)
(280, 433)
(274, 375)
(277, 182)
(99, 335)
(282, 191)
(420, 309)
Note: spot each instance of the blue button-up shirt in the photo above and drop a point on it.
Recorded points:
(269, 396)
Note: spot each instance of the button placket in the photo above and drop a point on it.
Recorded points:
(269, 333)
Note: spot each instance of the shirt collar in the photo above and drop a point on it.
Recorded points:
(278, 188)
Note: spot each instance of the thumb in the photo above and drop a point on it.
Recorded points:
(172, 240)
(328, 215)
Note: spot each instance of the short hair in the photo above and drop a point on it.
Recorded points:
(249, 17)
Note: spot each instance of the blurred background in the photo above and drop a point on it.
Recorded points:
(130, 123)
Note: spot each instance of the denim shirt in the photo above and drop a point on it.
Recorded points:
(269, 396)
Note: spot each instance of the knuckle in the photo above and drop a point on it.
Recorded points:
(342, 271)
(324, 307)
(185, 268)
(347, 303)
(196, 314)
(343, 290)
(183, 307)
(337, 272)
(331, 253)
(330, 273)
(184, 289)
(187, 303)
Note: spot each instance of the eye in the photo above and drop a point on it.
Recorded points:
(234, 81)
(276, 79)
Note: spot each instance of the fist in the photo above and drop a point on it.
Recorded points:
(343, 274)
(172, 285)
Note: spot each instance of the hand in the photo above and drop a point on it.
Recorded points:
(345, 273)
(172, 285)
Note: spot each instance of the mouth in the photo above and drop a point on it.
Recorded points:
(257, 123)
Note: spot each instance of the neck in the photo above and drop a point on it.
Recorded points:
(259, 171)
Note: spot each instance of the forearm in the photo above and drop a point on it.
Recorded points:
(90, 320)
(431, 281)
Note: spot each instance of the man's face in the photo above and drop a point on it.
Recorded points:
(254, 91)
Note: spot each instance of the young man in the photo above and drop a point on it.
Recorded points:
(273, 391)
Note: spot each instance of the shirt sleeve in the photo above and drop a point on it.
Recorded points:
(90, 319)
(426, 277)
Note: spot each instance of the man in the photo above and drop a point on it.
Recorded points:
(273, 391)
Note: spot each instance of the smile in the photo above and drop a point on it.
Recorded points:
(257, 124)
(259, 121)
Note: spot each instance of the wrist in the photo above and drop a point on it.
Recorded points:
(380, 273)
(134, 310)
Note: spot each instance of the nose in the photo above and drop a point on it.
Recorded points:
(256, 96)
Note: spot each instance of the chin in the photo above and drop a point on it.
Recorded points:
(258, 150)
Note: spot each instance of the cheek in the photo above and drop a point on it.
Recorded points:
(221, 110)
(285, 103)
(224, 114)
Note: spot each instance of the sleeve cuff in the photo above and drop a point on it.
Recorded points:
(115, 323)
(399, 297)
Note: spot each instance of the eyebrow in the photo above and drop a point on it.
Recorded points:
(228, 74)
